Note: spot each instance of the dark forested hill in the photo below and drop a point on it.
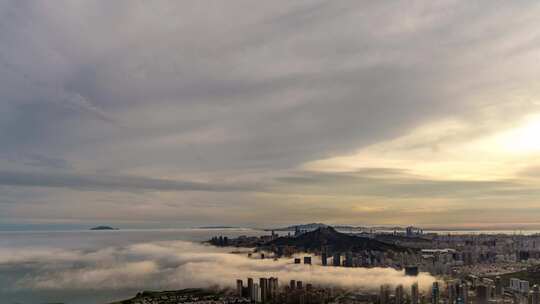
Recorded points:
(337, 241)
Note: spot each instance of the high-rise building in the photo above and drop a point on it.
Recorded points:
(535, 295)
(435, 293)
(411, 271)
(250, 288)
(263, 284)
(348, 259)
(463, 293)
(256, 296)
(324, 258)
(498, 287)
(239, 287)
(269, 289)
(399, 295)
(415, 294)
(337, 259)
(297, 261)
(409, 231)
(384, 295)
(518, 285)
(452, 289)
(299, 284)
(524, 286)
(482, 294)
(292, 285)
(307, 260)
(276, 285)
(272, 288)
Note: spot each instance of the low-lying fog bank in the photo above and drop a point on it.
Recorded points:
(175, 265)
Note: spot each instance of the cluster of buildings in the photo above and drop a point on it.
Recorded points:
(469, 266)
(242, 241)
(364, 258)
(400, 296)
(495, 290)
(361, 259)
(438, 254)
(471, 290)
(267, 290)
(447, 255)
(478, 254)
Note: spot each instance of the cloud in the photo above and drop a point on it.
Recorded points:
(179, 264)
(246, 92)
(291, 83)
(530, 172)
(398, 183)
(37, 160)
(110, 183)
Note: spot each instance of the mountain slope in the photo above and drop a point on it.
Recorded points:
(336, 241)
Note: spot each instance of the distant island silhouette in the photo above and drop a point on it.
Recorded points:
(103, 228)
(217, 227)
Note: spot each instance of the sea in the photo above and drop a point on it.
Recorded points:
(26, 254)
(39, 245)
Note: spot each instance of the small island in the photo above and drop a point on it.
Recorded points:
(218, 227)
(104, 228)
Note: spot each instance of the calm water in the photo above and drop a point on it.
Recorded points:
(40, 245)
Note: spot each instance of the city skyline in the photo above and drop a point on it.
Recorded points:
(179, 114)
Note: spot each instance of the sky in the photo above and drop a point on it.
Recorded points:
(263, 114)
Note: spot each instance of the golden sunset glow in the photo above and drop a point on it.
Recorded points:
(524, 139)
(498, 155)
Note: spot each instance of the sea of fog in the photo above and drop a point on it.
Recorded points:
(83, 267)
(88, 267)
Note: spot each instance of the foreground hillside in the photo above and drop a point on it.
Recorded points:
(192, 295)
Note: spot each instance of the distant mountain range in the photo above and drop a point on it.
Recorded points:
(218, 227)
(336, 241)
(311, 226)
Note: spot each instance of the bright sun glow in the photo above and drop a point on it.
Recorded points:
(524, 139)
(500, 155)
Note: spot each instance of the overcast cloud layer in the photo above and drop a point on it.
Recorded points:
(268, 113)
